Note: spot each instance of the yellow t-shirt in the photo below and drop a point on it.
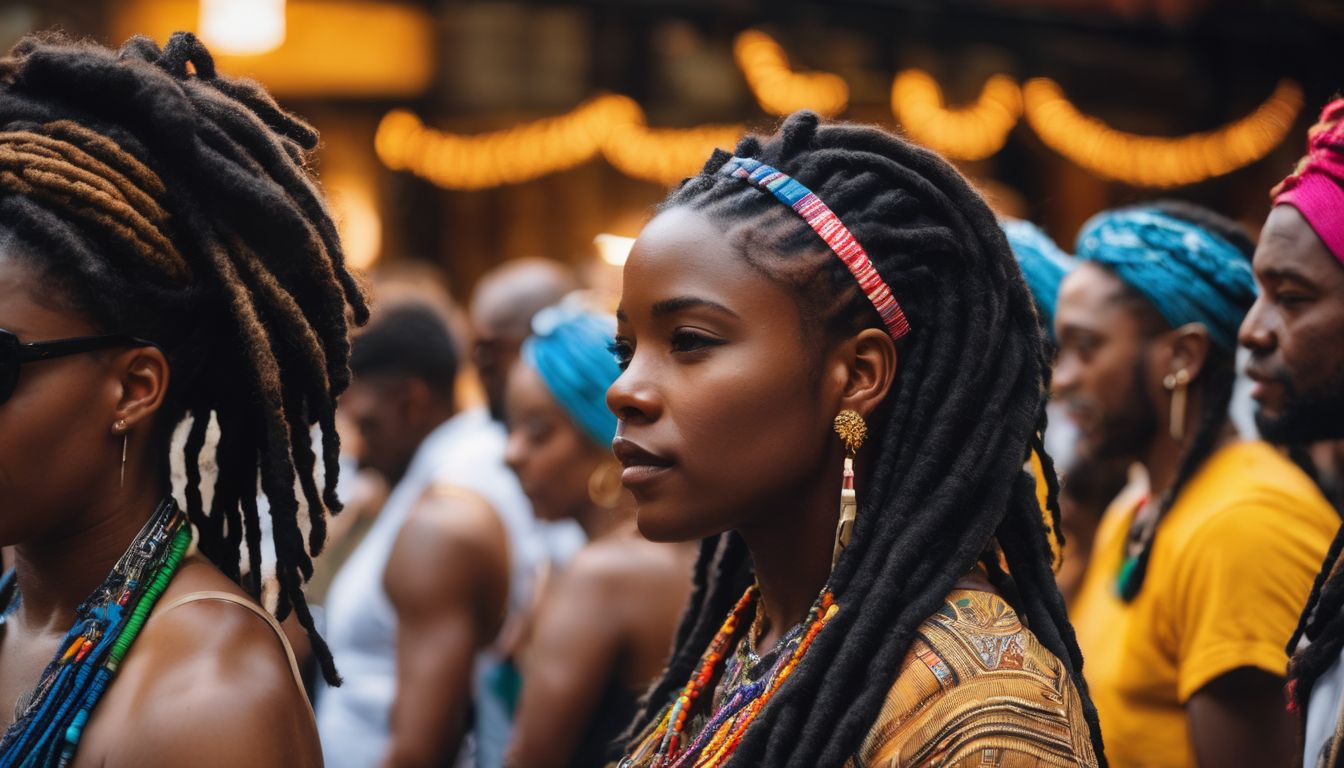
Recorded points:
(1230, 572)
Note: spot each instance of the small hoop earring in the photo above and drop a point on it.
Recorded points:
(853, 431)
(1177, 383)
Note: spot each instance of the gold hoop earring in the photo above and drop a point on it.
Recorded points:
(853, 430)
(1177, 383)
(604, 485)
(120, 426)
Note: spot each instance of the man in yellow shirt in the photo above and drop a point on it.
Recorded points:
(1195, 585)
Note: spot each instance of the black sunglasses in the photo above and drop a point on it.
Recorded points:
(14, 353)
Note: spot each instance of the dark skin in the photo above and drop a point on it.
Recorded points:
(206, 679)
(1237, 719)
(612, 613)
(1104, 337)
(726, 406)
(502, 307)
(447, 576)
(1293, 333)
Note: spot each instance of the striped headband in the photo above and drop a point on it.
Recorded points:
(824, 221)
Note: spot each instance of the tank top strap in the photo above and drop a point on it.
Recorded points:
(229, 597)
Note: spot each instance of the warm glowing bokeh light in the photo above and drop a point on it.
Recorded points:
(243, 27)
(610, 125)
(613, 249)
(1152, 161)
(355, 207)
(778, 88)
(971, 132)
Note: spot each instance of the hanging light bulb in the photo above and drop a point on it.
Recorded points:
(243, 27)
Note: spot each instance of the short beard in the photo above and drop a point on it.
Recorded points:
(1307, 417)
(1128, 433)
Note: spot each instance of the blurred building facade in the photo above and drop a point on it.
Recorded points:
(463, 133)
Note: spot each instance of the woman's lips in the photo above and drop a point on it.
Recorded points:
(640, 464)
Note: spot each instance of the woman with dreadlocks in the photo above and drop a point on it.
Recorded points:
(836, 307)
(165, 258)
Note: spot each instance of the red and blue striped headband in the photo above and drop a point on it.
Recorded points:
(823, 220)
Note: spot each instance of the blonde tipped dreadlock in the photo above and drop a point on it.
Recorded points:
(173, 204)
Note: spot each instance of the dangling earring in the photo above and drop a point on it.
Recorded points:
(1176, 384)
(853, 430)
(604, 485)
(120, 426)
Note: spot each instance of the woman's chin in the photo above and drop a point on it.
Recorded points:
(663, 524)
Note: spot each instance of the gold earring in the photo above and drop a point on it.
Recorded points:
(604, 485)
(120, 426)
(853, 430)
(1176, 383)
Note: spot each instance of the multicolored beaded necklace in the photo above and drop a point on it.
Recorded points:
(1141, 532)
(741, 693)
(47, 731)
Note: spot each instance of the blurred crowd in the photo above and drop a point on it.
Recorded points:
(586, 530)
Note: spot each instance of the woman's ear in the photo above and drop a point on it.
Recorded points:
(143, 378)
(865, 367)
(1189, 349)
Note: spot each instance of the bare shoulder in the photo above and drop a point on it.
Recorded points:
(453, 549)
(206, 682)
(448, 518)
(629, 562)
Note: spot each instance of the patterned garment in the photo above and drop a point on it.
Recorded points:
(978, 689)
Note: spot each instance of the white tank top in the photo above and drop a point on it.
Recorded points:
(466, 451)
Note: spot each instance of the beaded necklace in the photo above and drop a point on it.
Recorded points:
(740, 697)
(48, 731)
(1141, 531)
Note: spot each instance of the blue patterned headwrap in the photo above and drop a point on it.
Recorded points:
(570, 348)
(1190, 274)
(1043, 265)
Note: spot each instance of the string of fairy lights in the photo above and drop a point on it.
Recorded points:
(971, 132)
(777, 88)
(615, 127)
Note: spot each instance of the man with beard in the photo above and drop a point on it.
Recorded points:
(1294, 334)
(1194, 586)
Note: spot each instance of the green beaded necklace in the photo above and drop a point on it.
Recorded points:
(48, 730)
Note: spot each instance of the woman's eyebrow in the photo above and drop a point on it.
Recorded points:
(679, 303)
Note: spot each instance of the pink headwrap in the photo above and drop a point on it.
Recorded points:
(1316, 189)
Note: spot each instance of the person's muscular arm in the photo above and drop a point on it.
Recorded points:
(1239, 719)
(448, 580)
(570, 658)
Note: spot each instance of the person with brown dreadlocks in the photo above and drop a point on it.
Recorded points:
(1297, 362)
(165, 260)
(1193, 587)
(834, 306)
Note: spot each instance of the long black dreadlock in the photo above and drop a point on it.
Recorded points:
(1215, 382)
(173, 204)
(948, 490)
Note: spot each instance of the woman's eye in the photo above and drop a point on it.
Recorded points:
(1290, 299)
(684, 340)
(537, 430)
(623, 351)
